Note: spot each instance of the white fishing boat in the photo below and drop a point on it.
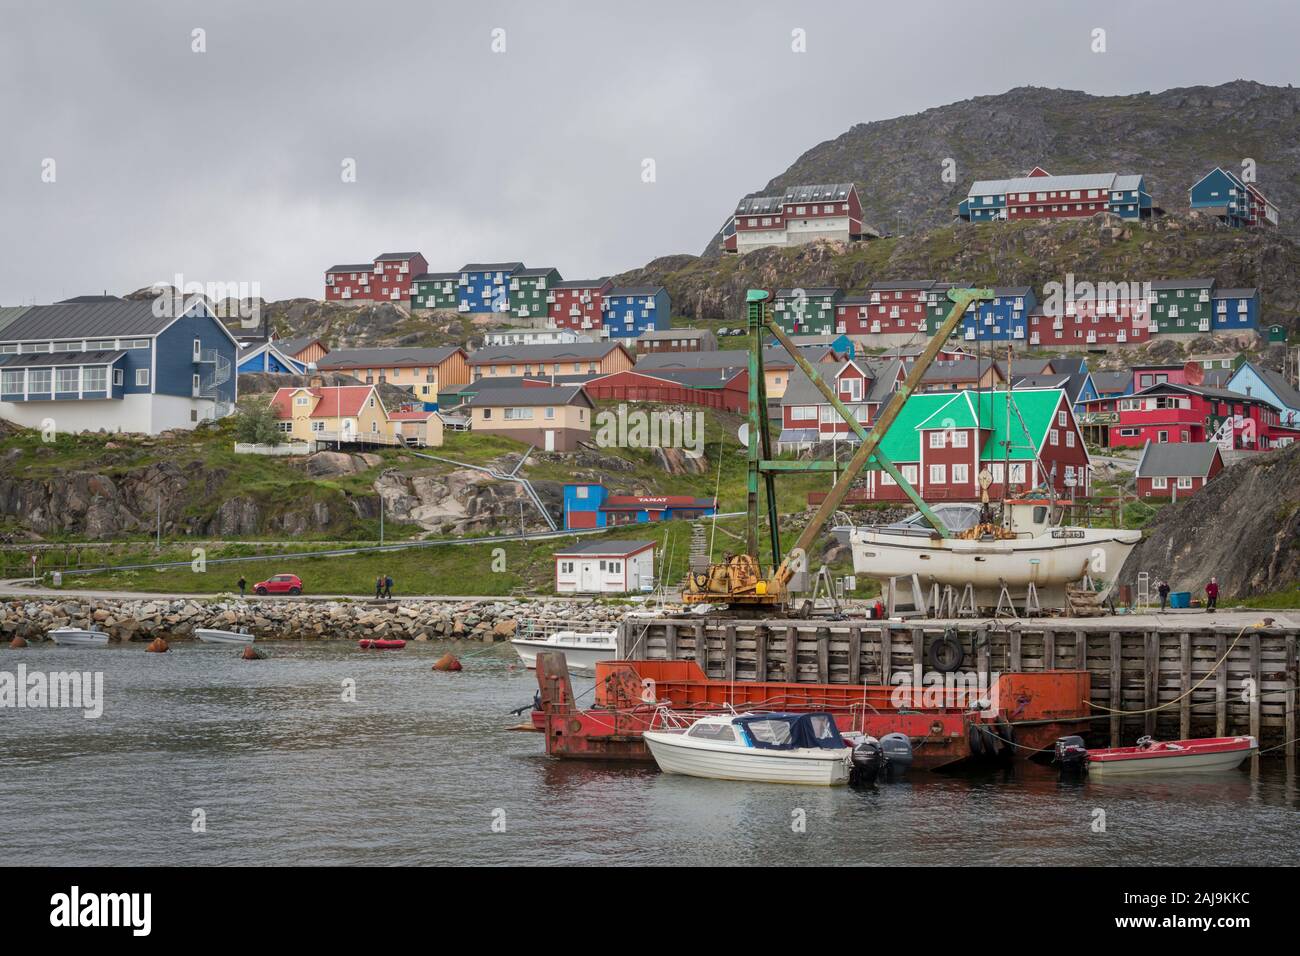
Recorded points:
(78, 636)
(1027, 546)
(212, 635)
(763, 748)
(581, 650)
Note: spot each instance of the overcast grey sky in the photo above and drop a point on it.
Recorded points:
(225, 165)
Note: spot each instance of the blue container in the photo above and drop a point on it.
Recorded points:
(1180, 599)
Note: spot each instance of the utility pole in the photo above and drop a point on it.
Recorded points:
(158, 532)
(381, 519)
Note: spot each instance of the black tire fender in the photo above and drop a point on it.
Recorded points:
(946, 645)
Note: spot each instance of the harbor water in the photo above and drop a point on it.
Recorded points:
(325, 754)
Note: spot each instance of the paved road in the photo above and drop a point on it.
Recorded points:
(25, 589)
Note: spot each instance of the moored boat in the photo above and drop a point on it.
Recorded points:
(78, 636)
(212, 635)
(1201, 755)
(798, 748)
(381, 643)
(581, 650)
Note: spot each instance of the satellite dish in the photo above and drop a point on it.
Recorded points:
(1194, 373)
(743, 434)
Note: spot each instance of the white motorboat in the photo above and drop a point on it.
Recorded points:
(764, 748)
(212, 635)
(1028, 546)
(581, 649)
(78, 636)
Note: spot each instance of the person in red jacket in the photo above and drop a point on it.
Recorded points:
(1212, 594)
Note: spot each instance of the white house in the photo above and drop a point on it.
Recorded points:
(605, 567)
(118, 365)
(555, 336)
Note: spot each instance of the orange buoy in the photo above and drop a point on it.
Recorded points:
(17, 642)
(251, 653)
(447, 662)
(157, 646)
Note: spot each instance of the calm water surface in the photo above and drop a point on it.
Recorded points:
(417, 769)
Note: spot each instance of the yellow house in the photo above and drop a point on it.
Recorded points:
(551, 417)
(342, 413)
(571, 358)
(425, 371)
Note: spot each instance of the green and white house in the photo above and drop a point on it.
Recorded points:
(435, 290)
(529, 289)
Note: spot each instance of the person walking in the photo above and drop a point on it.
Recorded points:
(388, 586)
(379, 587)
(1163, 589)
(242, 585)
(1212, 595)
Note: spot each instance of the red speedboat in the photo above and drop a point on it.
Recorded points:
(381, 644)
(1153, 756)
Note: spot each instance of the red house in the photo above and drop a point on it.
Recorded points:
(724, 389)
(387, 279)
(576, 304)
(1173, 471)
(807, 417)
(897, 306)
(1099, 323)
(1169, 413)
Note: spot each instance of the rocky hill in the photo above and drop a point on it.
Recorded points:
(1243, 527)
(1173, 138)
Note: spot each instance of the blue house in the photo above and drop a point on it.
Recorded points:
(1004, 318)
(100, 363)
(485, 286)
(1234, 309)
(1223, 194)
(592, 506)
(267, 357)
(1273, 387)
(631, 310)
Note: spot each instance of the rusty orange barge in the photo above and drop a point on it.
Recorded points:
(1017, 715)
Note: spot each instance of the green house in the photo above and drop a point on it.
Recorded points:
(1277, 333)
(806, 311)
(434, 290)
(1181, 305)
(938, 305)
(529, 291)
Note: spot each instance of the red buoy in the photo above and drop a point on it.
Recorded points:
(447, 662)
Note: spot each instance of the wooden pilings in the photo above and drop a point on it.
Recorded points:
(1162, 679)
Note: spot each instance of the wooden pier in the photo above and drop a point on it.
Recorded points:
(1144, 665)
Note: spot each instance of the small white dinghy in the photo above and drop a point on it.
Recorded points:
(764, 748)
(581, 650)
(212, 635)
(78, 636)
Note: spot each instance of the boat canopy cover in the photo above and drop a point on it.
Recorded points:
(791, 731)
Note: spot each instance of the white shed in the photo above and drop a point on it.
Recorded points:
(605, 567)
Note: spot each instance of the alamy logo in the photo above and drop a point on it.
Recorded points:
(36, 690)
(641, 429)
(74, 909)
(914, 690)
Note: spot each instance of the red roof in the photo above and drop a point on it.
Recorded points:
(334, 401)
(653, 502)
(411, 415)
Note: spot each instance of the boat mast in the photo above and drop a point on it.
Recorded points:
(1006, 441)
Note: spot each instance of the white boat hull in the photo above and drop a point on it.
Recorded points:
(210, 635)
(675, 753)
(73, 636)
(578, 658)
(1048, 562)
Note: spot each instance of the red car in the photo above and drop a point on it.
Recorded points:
(279, 584)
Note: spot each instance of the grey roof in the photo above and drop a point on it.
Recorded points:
(818, 193)
(773, 357)
(1161, 285)
(40, 359)
(396, 256)
(83, 299)
(1109, 383)
(991, 187)
(378, 358)
(1046, 380)
(361, 267)
(921, 285)
(881, 378)
(529, 395)
(581, 283)
(436, 277)
(1186, 459)
(535, 272)
(119, 317)
(1127, 182)
(692, 377)
(959, 370)
(635, 290)
(1209, 391)
(758, 205)
(809, 292)
(549, 352)
(1024, 367)
(8, 314)
(1233, 293)
(518, 381)
(650, 334)
(491, 267)
(605, 547)
(296, 344)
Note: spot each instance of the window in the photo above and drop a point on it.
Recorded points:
(11, 381)
(95, 379)
(1060, 419)
(938, 474)
(1184, 483)
(194, 385)
(936, 441)
(518, 414)
(1018, 473)
(198, 349)
(117, 376)
(67, 379)
(1162, 437)
(959, 439)
(1160, 483)
(803, 413)
(142, 377)
(550, 412)
(1053, 438)
(1069, 439)
(960, 474)
(318, 426)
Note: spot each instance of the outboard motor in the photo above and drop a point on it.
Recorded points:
(897, 749)
(868, 761)
(1071, 755)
